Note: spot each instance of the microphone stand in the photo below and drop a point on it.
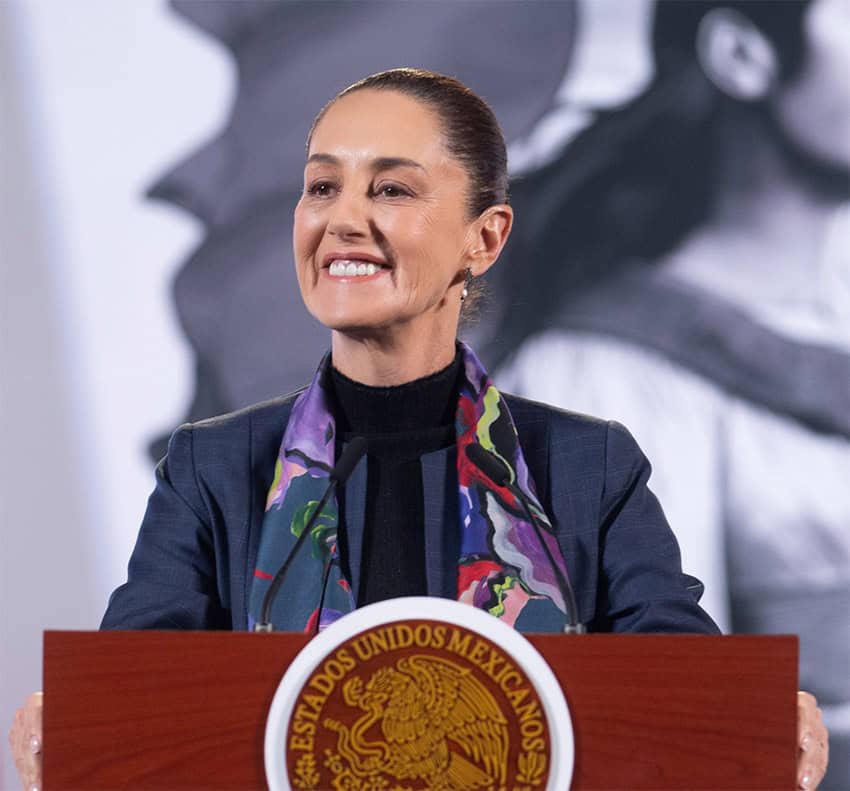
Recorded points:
(347, 461)
(573, 625)
(497, 471)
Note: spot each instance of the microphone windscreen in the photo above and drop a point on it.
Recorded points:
(351, 454)
(490, 464)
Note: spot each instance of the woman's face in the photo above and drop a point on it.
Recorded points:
(814, 108)
(381, 233)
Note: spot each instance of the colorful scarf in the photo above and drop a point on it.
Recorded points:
(502, 567)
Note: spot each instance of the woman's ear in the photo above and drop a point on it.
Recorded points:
(735, 55)
(489, 234)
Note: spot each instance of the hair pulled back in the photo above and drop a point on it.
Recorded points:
(472, 133)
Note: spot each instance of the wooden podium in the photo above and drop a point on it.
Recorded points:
(164, 710)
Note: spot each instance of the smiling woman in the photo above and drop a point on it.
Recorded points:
(397, 197)
(466, 493)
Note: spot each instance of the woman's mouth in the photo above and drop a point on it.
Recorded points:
(348, 267)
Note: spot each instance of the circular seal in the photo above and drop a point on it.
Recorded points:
(451, 699)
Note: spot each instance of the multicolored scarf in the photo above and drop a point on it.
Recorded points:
(502, 567)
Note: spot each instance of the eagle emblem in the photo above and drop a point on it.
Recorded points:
(426, 719)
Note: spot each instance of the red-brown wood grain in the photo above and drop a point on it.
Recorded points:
(165, 710)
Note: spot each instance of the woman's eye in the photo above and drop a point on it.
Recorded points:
(321, 189)
(391, 191)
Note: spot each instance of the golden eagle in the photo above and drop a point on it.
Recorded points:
(438, 723)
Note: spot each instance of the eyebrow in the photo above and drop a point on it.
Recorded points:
(379, 163)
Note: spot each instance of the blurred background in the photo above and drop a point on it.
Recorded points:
(681, 263)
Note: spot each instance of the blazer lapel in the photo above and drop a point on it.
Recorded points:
(442, 521)
(354, 506)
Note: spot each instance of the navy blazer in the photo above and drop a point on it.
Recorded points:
(193, 562)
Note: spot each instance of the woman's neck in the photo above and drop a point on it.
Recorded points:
(419, 405)
(384, 359)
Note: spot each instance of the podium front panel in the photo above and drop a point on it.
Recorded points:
(157, 710)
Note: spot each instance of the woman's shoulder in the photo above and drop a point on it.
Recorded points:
(528, 413)
(574, 440)
(560, 443)
(255, 429)
(271, 410)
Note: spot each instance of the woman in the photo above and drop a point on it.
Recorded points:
(404, 204)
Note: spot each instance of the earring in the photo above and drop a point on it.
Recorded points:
(467, 280)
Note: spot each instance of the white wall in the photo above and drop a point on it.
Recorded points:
(97, 98)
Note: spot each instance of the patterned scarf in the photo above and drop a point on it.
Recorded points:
(502, 568)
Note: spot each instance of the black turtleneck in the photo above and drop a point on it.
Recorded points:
(400, 424)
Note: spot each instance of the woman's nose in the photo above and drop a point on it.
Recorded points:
(349, 216)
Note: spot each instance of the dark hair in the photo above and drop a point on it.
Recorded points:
(472, 133)
(628, 189)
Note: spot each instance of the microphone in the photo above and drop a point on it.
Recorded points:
(497, 471)
(348, 459)
(325, 574)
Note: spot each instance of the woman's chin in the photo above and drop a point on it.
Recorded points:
(355, 323)
(349, 311)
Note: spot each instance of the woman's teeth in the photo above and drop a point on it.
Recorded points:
(352, 268)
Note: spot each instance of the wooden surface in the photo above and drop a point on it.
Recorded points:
(157, 710)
